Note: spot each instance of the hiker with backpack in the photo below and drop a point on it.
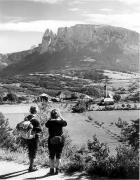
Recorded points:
(29, 130)
(56, 139)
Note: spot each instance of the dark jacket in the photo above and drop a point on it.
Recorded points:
(55, 127)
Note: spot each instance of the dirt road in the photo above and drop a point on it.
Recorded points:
(14, 171)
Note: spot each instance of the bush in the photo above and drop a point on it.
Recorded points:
(109, 108)
(80, 107)
(11, 97)
(22, 98)
(5, 133)
(127, 163)
(99, 150)
(116, 97)
(95, 91)
(95, 160)
(130, 134)
(124, 165)
(76, 163)
(134, 97)
(120, 123)
(1, 99)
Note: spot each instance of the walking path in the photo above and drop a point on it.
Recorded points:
(13, 171)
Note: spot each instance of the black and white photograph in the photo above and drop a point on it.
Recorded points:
(69, 89)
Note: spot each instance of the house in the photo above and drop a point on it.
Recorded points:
(64, 95)
(85, 97)
(67, 95)
(44, 97)
(106, 101)
(109, 100)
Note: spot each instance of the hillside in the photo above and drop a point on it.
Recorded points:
(96, 46)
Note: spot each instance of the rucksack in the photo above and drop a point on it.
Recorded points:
(25, 129)
(56, 140)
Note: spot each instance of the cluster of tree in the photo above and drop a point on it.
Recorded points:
(92, 74)
(95, 91)
(12, 98)
(133, 97)
(82, 106)
(97, 76)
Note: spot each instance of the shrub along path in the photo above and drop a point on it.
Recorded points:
(11, 170)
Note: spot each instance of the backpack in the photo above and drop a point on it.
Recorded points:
(25, 129)
(56, 140)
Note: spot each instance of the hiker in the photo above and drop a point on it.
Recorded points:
(32, 139)
(56, 140)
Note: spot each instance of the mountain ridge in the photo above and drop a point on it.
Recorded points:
(107, 46)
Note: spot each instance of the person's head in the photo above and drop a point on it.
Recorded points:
(33, 110)
(55, 114)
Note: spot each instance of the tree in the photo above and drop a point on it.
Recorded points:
(1, 99)
(133, 86)
(12, 97)
(130, 134)
(5, 135)
(116, 97)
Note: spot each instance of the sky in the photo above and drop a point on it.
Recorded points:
(23, 22)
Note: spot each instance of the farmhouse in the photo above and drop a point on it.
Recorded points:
(43, 97)
(85, 97)
(109, 100)
(64, 95)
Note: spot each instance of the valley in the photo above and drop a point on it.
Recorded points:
(80, 64)
(87, 122)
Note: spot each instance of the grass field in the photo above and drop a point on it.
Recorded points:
(82, 127)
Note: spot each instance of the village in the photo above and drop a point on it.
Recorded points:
(78, 102)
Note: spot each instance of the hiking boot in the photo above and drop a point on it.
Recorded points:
(57, 171)
(32, 169)
(51, 172)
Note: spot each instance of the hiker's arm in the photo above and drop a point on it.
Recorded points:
(63, 123)
(47, 124)
(36, 126)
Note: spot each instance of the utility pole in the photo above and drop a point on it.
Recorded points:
(105, 89)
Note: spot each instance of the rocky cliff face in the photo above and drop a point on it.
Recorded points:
(48, 41)
(96, 46)
(80, 36)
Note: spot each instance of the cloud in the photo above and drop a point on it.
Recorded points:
(47, 1)
(37, 26)
(129, 21)
(130, 2)
(106, 9)
(74, 9)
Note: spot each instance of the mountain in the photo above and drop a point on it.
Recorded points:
(96, 46)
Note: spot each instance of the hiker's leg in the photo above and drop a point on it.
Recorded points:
(32, 150)
(58, 158)
(51, 163)
(31, 159)
(51, 158)
(58, 161)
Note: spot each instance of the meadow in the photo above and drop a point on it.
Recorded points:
(81, 127)
(101, 156)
